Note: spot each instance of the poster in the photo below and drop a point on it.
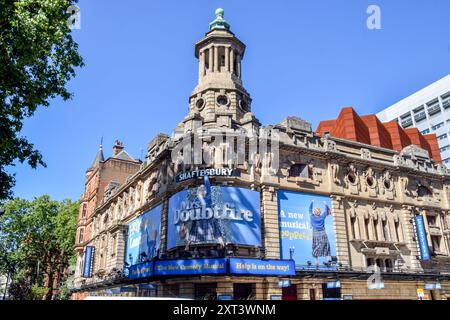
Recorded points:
(144, 237)
(214, 215)
(307, 230)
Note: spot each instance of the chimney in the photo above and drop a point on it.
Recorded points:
(118, 147)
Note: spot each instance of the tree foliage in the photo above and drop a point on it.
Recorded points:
(37, 58)
(37, 240)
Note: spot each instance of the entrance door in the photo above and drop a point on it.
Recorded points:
(244, 291)
(205, 291)
(290, 293)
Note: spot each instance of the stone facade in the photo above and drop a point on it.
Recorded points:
(375, 192)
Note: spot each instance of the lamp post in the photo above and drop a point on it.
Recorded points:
(291, 252)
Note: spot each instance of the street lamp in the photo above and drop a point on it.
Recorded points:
(291, 252)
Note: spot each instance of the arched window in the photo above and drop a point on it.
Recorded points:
(423, 191)
(380, 263)
(388, 263)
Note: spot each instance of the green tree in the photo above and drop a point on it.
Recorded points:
(37, 58)
(37, 239)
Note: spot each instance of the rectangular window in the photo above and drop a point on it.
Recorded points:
(353, 222)
(437, 126)
(81, 236)
(366, 228)
(84, 210)
(436, 243)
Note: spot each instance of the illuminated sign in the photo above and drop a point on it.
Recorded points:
(422, 237)
(88, 256)
(213, 172)
(142, 270)
(214, 215)
(190, 267)
(262, 267)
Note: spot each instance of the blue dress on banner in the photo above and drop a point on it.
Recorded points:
(204, 230)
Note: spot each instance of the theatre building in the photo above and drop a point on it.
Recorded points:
(226, 208)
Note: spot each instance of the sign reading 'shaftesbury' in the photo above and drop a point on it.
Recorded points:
(213, 172)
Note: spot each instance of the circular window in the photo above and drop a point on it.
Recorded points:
(387, 184)
(222, 100)
(351, 178)
(370, 181)
(243, 104)
(200, 103)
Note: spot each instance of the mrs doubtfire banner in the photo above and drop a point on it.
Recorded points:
(306, 229)
(214, 215)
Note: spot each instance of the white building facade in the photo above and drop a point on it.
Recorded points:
(428, 110)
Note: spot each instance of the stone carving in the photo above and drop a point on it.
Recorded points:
(267, 164)
(329, 145)
(405, 185)
(335, 173)
(353, 206)
(365, 154)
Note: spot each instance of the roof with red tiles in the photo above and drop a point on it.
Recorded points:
(370, 130)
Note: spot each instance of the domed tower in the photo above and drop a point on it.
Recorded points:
(220, 99)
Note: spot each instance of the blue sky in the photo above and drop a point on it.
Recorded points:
(303, 58)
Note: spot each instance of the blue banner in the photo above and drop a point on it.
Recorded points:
(422, 237)
(142, 270)
(190, 267)
(214, 214)
(262, 267)
(306, 230)
(144, 237)
(88, 255)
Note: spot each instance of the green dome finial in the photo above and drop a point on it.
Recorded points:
(219, 22)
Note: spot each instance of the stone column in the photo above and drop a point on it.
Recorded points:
(121, 238)
(231, 60)
(227, 59)
(340, 230)
(270, 226)
(201, 65)
(238, 66)
(164, 221)
(409, 234)
(210, 53)
(216, 59)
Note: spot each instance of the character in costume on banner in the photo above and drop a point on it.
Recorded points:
(320, 243)
(150, 241)
(202, 230)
